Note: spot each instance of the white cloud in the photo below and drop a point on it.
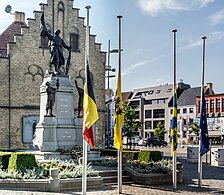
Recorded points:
(212, 38)
(217, 17)
(154, 7)
(139, 64)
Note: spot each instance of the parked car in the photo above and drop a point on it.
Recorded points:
(142, 142)
(155, 141)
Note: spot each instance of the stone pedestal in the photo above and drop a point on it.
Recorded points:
(59, 130)
(192, 154)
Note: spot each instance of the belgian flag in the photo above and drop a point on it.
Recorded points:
(90, 114)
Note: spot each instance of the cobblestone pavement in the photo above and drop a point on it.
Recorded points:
(212, 183)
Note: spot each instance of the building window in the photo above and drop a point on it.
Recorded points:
(184, 110)
(185, 121)
(134, 104)
(218, 103)
(178, 111)
(137, 114)
(206, 104)
(171, 111)
(154, 102)
(148, 124)
(162, 101)
(191, 110)
(148, 102)
(148, 113)
(212, 104)
(159, 113)
(74, 41)
(156, 122)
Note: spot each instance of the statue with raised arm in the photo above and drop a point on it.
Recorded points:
(57, 44)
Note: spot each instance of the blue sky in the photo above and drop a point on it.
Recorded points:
(147, 38)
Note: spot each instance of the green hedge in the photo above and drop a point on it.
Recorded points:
(4, 159)
(147, 155)
(21, 160)
(130, 155)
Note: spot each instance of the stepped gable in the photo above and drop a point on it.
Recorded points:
(8, 35)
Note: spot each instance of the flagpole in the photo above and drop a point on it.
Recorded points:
(174, 91)
(119, 151)
(84, 166)
(202, 91)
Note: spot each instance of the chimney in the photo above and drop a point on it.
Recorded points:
(210, 88)
(19, 16)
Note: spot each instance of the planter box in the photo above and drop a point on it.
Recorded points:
(154, 178)
(44, 184)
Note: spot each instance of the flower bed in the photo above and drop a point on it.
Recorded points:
(152, 175)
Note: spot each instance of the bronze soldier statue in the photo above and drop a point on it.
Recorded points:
(50, 99)
(81, 94)
(57, 44)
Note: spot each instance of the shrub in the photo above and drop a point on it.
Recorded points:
(4, 160)
(130, 155)
(21, 160)
(147, 156)
(163, 166)
(108, 162)
(77, 152)
(77, 172)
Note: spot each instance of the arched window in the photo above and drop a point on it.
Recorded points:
(74, 40)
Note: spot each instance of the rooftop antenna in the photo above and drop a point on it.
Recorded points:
(8, 9)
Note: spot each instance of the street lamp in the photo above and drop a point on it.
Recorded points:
(108, 67)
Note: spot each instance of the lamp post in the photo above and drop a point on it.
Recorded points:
(108, 67)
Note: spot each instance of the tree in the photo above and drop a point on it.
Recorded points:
(160, 130)
(131, 125)
(194, 128)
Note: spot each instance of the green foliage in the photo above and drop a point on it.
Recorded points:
(64, 151)
(76, 152)
(77, 172)
(107, 162)
(160, 131)
(4, 160)
(35, 173)
(130, 155)
(21, 160)
(69, 165)
(147, 155)
(131, 125)
(163, 166)
(195, 128)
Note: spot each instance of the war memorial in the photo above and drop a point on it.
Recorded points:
(44, 115)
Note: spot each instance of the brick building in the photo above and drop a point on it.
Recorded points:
(24, 57)
(215, 115)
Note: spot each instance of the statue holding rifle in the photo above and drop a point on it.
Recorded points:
(56, 44)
